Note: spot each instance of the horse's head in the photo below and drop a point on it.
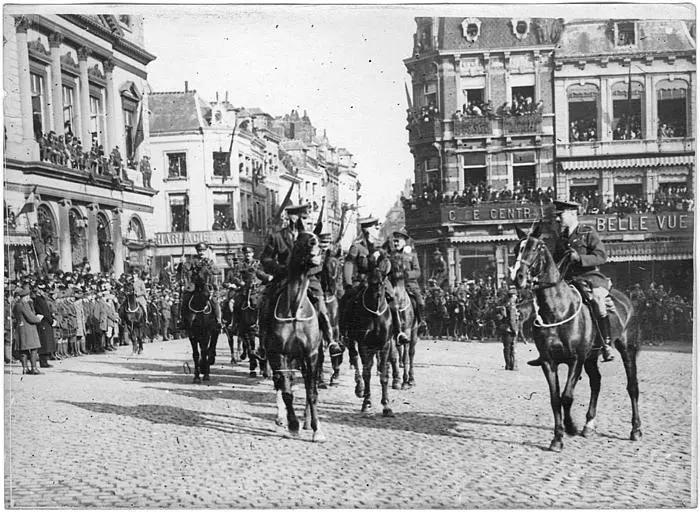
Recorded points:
(531, 258)
(306, 252)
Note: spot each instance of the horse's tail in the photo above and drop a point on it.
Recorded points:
(625, 313)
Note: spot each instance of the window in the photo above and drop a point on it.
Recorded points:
(583, 112)
(471, 27)
(523, 100)
(222, 164)
(524, 170)
(223, 211)
(96, 119)
(474, 168)
(177, 166)
(627, 113)
(473, 102)
(625, 35)
(68, 109)
(38, 104)
(430, 94)
(129, 132)
(671, 105)
(179, 216)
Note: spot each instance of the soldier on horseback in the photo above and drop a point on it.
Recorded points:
(408, 259)
(249, 274)
(200, 268)
(578, 253)
(140, 291)
(275, 260)
(355, 272)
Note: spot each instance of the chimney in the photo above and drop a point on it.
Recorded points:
(226, 96)
(186, 86)
(217, 96)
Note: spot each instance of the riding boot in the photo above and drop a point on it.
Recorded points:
(604, 324)
(401, 337)
(43, 361)
(217, 312)
(332, 345)
(420, 317)
(264, 319)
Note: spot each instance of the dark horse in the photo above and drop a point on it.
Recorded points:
(133, 319)
(371, 329)
(294, 337)
(407, 310)
(329, 283)
(247, 321)
(565, 333)
(202, 329)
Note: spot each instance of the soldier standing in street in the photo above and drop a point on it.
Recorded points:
(508, 325)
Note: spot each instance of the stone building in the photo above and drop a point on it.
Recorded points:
(76, 130)
(482, 116)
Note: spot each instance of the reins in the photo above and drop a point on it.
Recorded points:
(204, 309)
(375, 313)
(294, 318)
(538, 319)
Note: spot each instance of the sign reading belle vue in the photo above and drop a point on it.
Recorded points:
(671, 221)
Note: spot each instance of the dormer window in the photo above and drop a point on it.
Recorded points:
(471, 29)
(520, 27)
(625, 33)
(125, 21)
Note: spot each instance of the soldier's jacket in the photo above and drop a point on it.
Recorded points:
(250, 273)
(277, 252)
(201, 269)
(586, 242)
(355, 266)
(408, 260)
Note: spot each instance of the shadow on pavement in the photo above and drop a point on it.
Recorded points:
(167, 414)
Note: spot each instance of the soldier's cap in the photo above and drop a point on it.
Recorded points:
(368, 222)
(561, 206)
(437, 251)
(247, 249)
(23, 292)
(297, 209)
(401, 233)
(325, 237)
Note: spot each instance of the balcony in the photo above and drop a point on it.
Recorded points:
(423, 124)
(625, 147)
(522, 125)
(471, 126)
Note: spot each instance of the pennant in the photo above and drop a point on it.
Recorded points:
(318, 229)
(408, 97)
(286, 202)
(137, 137)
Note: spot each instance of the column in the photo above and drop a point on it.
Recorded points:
(85, 135)
(25, 89)
(55, 40)
(536, 57)
(111, 115)
(605, 111)
(451, 263)
(117, 244)
(93, 247)
(63, 231)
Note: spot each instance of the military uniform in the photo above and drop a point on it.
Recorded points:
(200, 270)
(508, 318)
(408, 260)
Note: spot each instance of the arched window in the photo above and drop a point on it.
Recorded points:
(672, 108)
(627, 100)
(134, 230)
(583, 112)
(77, 227)
(47, 226)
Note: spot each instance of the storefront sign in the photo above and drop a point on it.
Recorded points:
(194, 237)
(666, 222)
(496, 212)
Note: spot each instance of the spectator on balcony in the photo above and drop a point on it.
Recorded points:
(145, 168)
(116, 159)
(505, 109)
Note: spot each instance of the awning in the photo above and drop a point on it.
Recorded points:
(17, 240)
(650, 250)
(469, 239)
(617, 163)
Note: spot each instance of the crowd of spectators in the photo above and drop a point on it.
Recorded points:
(519, 107)
(583, 130)
(669, 129)
(663, 315)
(667, 198)
(424, 114)
(474, 195)
(628, 128)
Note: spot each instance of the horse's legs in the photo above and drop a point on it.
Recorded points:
(195, 358)
(204, 356)
(591, 367)
(352, 353)
(409, 362)
(384, 355)
(312, 363)
(629, 358)
(393, 357)
(288, 399)
(249, 347)
(555, 399)
(367, 357)
(567, 397)
(318, 369)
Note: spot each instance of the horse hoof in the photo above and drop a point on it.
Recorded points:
(366, 407)
(206, 377)
(318, 437)
(587, 431)
(322, 385)
(359, 389)
(556, 445)
(400, 365)
(411, 383)
(292, 434)
(395, 385)
(388, 413)
(571, 429)
(244, 356)
(336, 374)
(404, 385)
(636, 435)
(197, 380)
(279, 422)
(253, 374)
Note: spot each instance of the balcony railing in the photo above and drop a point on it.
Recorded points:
(471, 126)
(528, 123)
(622, 147)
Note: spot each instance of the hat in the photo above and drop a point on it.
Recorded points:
(437, 251)
(201, 246)
(561, 206)
(368, 222)
(247, 248)
(297, 209)
(401, 233)
(23, 292)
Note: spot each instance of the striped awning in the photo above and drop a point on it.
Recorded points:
(617, 163)
(15, 239)
(471, 239)
(650, 251)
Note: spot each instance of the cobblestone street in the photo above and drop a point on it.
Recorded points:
(118, 430)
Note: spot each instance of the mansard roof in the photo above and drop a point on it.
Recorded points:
(585, 38)
(173, 112)
(497, 33)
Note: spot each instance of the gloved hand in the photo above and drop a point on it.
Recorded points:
(573, 255)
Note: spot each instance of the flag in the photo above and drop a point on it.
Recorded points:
(230, 149)
(286, 202)
(408, 97)
(28, 207)
(137, 137)
(318, 229)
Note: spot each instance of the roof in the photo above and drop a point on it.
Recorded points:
(173, 112)
(496, 33)
(596, 37)
(291, 145)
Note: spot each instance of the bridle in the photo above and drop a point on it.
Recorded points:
(533, 281)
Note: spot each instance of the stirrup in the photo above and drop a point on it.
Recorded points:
(535, 362)
(334, 348)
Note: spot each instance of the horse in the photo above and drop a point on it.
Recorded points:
(407, 311)
(329, 284)
(133, 317)
(371, 328)
(247, 320)
(230, 327)
(436, 314)
(457, 326)
(202, 329)
(294, 338)
(565, 333)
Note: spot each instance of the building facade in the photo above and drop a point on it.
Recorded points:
(75, 132)
(481, 122)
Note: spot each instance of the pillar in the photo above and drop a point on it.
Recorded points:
(111, 115)
(55, 40)
(31, 147)
(501, 264)
(93, 247)
(451, 263)
(63, 232)
(605, 111)
(117, 243)
(537, 59)
(85, 135)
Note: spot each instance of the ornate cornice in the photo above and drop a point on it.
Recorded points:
(22, 24)
(83, 53)
(55, 39)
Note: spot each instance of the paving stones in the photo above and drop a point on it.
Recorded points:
(121, 431)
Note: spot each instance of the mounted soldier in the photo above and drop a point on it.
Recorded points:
(249, 274)
(199, 269)
(408, 258)
(365, 251)
(578, 253)
(275, 260)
